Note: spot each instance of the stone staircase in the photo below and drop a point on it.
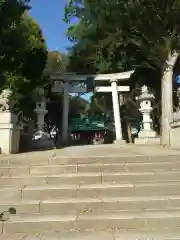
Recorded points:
(92, 198)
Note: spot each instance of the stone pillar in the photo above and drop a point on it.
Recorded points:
(40, 109)
(116, 110)
(9, 129)
(40, 118)
(65, 114)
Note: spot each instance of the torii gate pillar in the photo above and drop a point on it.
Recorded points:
(116, 110)
(65, 115)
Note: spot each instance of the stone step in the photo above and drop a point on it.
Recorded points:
(43, 192)
(130, 167)
(57, 194)
(109, 203)
(20, 181)
(90, 178)
(22, 207)
(170, 234)
(97, 168)
(30, 160)
(72, 235)
(81, 205)
(14, 170)
(133, 158)
(92, 221)
(10, 193)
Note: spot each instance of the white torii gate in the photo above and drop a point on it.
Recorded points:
(115, 100)
(114, 88)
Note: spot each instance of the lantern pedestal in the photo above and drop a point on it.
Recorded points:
(147, 141)
(147, 134)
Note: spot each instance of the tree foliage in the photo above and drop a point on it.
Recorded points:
(56, 62)
(10, 17)
(118, 35)
(114, 36)
(33, 55)
(22, 52)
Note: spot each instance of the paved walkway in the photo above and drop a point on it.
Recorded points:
(111, 150)
(115, 150)
(95, 194)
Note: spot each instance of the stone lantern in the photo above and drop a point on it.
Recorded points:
(41, 138)
(146, 132)
(40, 109)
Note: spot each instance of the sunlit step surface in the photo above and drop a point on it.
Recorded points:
(114, 198)
(80, 205)
(90, 178)
(93, 221)
(172, 234)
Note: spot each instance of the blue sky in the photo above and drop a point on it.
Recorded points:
(48, 14)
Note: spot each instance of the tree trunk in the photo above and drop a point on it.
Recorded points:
(167, 98)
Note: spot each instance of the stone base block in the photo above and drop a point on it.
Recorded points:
(175, 134)
(9, 133)
(119, 142)
(9, 139)
(147, 141)
(25, 142)
(7, 118)
(147, 134)
(42, 144)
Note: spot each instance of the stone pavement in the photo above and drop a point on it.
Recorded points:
(107, 192)
(109, 150)
(115, 150)
(132, 235)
